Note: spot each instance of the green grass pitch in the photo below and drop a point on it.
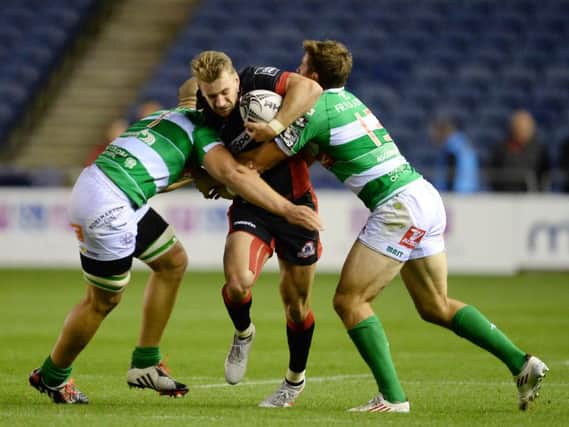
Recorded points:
(449, 381)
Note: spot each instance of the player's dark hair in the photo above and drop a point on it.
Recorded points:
(331, 60)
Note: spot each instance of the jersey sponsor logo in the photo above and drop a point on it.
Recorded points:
(105, 218)
(291, 135)
(239, 143)
(114, 151)
(127, 238)
(395, 252)
(130, 163)
(412, 237)
(308, 250)
(388, 154)
(245, 223)
(267, 71)
(398, 171)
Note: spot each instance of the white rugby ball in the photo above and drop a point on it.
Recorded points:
(259, 105)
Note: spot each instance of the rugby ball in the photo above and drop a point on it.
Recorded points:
(259, 105)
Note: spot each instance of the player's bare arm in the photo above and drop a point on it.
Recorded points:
(209, 186)
(300, 96)
(262, 158)
(246, 182)
(184, 179)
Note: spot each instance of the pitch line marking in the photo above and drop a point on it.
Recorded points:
(362, 376)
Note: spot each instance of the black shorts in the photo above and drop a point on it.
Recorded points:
(292, 243)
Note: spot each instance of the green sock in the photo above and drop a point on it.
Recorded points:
(470, 324)
(143, 357)
(52, 375)
(370, 340)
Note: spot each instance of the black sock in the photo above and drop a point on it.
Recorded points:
(239, 312)
(299, 336)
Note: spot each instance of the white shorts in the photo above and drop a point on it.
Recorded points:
(103, 217)
(409, 225)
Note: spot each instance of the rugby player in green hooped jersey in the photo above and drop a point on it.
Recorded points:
(403, 234)
(113, 223)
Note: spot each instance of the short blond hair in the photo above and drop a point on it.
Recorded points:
(331, 60)
(208, 65)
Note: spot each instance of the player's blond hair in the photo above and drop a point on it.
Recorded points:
(208, 65)
(331, 60)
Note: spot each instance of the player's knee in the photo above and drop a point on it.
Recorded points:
(239, 282)
(178, 261)
(436, 312)
(297, 311)
(173, 263)
(102, 302)
(342, 304)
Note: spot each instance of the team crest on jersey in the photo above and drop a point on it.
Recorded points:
(307, 250)
(268, 71)
(412, 237)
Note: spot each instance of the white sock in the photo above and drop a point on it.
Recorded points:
(294, 377)
(246, 333)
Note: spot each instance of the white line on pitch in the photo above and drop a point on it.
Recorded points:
(277, 380)
(361, 376)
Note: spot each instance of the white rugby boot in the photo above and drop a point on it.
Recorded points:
(379, 404)
(237, 357)
(284, 396)
(156, 378)
(529, 381)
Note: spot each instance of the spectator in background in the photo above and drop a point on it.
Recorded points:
(457, 167)
(147, 107)
(520, 163)
(564, 165)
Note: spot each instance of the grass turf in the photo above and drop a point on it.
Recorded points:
(448, 380)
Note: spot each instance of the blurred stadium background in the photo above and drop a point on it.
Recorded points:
(71, 67)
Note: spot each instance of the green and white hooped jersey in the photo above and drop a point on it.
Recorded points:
(353, 145)
(152, 153)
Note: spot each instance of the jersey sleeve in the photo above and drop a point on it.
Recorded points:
(205, 139)
(268, 78)
(299, 134)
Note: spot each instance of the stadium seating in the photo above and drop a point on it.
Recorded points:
(33, 36)
(478, 60)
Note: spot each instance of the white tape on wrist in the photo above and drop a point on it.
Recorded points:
(277, 126)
